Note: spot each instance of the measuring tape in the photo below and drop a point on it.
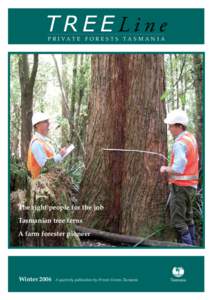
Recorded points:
(137, 151)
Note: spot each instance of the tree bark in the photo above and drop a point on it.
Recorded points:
(125, 112)
(197, 60)
(65, 132)
(78, 124)
(27, 81)
(74, 94)
(172, 82)
(177, 81)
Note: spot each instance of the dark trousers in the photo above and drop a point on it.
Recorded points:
(181, 207)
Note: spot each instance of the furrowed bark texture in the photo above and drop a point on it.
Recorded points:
(125, 111)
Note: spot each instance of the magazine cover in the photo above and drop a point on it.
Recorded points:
(106, 113)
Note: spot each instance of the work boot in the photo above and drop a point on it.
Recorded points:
(186, 238)
(192, 231)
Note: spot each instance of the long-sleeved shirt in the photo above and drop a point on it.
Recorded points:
(39, 152)
(180, 159)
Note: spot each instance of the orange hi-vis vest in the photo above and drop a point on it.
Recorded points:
(190, 174)
(32, 165)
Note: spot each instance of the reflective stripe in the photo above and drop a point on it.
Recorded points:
(186, 177)
(190, 139)
(187, 137)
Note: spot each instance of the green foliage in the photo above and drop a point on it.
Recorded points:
(68, 122)
(164, 95)
(199, 216)
(15, 108)
(180, 89)
(54, 189)
(47, 96)
(74, 169)
(18, 174)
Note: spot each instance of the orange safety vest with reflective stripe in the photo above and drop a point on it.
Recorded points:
(191, 173)
(32, 165)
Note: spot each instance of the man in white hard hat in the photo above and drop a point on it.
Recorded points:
(183, 176)
(40, 149)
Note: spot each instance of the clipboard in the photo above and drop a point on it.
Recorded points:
(68, 151)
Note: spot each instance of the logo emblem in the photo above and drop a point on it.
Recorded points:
(178, 272)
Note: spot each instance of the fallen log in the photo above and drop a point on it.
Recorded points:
(123, 239)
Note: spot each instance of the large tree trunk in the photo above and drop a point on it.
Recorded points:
(27, 81)
(197, 59)
(125, 111)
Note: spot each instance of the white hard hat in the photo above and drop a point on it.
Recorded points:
(177, 116)
(39, 117)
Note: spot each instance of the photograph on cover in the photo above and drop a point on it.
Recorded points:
(106, 150)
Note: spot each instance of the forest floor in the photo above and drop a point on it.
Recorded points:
(95, 243)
